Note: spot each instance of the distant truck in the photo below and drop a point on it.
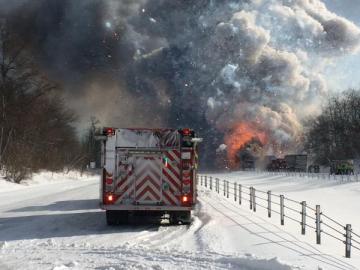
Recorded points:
(278, 164)
(148, 172)
(296, 163)
(342, 167)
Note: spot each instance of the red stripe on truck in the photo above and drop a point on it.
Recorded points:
(146, 179)
(148, 189)
(171, 179)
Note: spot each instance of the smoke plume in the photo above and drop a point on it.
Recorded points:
(207, 64)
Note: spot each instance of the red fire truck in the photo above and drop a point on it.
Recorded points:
(148, 172)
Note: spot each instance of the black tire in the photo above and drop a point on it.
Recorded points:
(122, 217)
(186, 218)
(114, 217)
(111, 218)
(180, 216)
(173, 219)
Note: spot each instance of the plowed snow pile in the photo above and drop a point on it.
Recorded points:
(56, 224)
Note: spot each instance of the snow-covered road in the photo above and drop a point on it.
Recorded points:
(57, 225)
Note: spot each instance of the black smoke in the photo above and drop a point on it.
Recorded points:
(207, 64)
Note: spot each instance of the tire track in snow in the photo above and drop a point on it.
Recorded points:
(181, 233)
(203, 219)
(128, 256)
(164, 236)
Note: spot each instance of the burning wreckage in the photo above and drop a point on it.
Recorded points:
(247, 148)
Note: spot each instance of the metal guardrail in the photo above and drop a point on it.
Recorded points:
(324, 176)
(283, 206)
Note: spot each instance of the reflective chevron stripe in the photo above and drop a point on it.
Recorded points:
(172, 176)
(148, 180)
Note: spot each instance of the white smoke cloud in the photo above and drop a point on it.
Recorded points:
(268, 76)
(309, 25)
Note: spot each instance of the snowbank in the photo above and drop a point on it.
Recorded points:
(44, 178)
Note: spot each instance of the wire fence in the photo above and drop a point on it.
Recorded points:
(287, 209)
(355, 177)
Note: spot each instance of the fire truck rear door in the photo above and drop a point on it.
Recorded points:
(148, 178)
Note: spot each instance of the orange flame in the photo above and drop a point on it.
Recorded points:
(241, 134)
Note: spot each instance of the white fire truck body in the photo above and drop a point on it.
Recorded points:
(149, 171)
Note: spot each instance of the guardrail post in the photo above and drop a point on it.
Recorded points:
(227, 189)
(251, 201)
(210, 183)
(282, 214)
(224, 188)
(235, 191)
(240, 194)
(348, 241)
(205, 181)
(303, 217)
(318, 225)
(269, 203)
(254, 200)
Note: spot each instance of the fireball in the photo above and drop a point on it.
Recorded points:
(239, 136)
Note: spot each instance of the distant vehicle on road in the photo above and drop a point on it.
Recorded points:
(296, 163)
(278, 164)
(148, 172)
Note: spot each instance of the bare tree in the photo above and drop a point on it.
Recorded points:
(36, 129)
(333, 134)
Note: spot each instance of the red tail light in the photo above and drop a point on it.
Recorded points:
(110, 198)
(186, 200)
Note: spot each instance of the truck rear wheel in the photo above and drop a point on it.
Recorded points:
(186, 218)
(180, 216)
(114, 217)
(111, 218)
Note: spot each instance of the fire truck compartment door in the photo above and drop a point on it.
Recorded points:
(148, 178)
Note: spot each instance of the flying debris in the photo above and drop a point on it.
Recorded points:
(108, 24)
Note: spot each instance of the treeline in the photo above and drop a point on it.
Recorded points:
(334, 135)
(36, 129)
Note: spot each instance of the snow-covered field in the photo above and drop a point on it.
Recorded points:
(56, 224)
